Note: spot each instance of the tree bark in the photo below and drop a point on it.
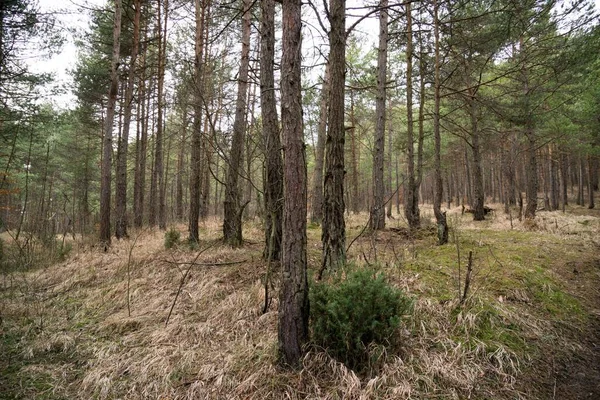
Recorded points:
(293, 305)
(121, 173)
(334, 226)
(108, 131)
(270, 130)
(442, 225)
(377, 218)
(478, 194)
(159, 152)
(411, 200)
(196, 150)
(232, 221)
(317, 204)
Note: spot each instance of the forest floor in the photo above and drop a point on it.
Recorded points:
(95, 324)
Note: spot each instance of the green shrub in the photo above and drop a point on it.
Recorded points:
(172, 237)
(351, 316)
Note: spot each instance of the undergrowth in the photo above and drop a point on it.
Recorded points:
(356, 317)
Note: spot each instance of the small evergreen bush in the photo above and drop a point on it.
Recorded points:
(351, 316)
(172, 238)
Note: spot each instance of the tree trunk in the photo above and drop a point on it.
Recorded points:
(293, 304)
(334, 227)
(478, 194)
(355, 201)
(180, 163)
(108, 131)
(121, 173)
(139, 185)
(442, 225)
(270, 130)
(232, 221)
(195, 163)
(377, 217)
(317, 204)
(411, 199)
(159, 152)
(532, 178)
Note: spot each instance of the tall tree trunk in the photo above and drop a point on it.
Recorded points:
(232, 221)
(334, 227)
(317, 204)
(478, 194)
(411, 199)
(121, 173)
(377, 218)
(139, 186)
(108, 131)
(293, 304)
(180, 163)
(195, 164)
(355, 201)
(159, 152)
(389, 165)
(442, 225)
(270, 130)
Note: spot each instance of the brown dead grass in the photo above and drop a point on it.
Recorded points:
(75, 332)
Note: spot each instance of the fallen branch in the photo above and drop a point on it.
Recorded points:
(183, 280)
(468, 277)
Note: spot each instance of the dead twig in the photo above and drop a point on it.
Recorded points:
(184, 277)
(468, 277)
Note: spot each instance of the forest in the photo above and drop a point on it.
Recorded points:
(237, 199)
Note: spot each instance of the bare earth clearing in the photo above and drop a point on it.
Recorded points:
(529, 329)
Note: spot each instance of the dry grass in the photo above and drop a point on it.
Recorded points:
(70, 335)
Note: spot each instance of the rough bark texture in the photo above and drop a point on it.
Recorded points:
(478, 194)
(355, 202)
(377, 217)
(317, 203)
(180, 162)
(293, 305)
(121, 173)
(159, 151)
(442, 231)
(411, 200)
(232, 221)
(532, 179)
(108, 131)
(195, 173)
(141, 145)
(334, 226)
(270, 128)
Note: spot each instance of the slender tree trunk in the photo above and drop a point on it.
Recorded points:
(270, 130)
(293, 304)
(139, 186)
(389, 165)
(581, 182)
(159, 154)
(478, 194)
(334, 226)
(411, 200)
(377, 218)
(442, 225)
(355, 203)
(195, 164)
(232, 222)
(180, 164)
(108, 132)
(317, 204)
(121, 173)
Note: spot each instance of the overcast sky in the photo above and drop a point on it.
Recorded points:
(72, 14)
